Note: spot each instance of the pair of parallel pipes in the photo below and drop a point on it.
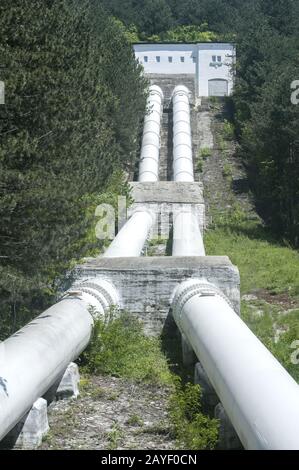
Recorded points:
(259, 396)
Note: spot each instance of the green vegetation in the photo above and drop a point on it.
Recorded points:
(264, 262)
(203, 155)
(135, 420)
(269, 271)
(114, 436)
(228, 130)
(279, 332)
(227, 170)
(193, 430)
(74, 102)
(120, 348)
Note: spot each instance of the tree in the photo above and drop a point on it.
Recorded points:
(74, 99)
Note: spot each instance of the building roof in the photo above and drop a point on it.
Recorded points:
(144, 43)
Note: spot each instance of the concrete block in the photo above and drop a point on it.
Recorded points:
(228, 438)
(165, 199)
(69, 385)
(209, 397)
(29, 432)
(146, 284)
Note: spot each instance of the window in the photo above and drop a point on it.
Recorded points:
(170, 60)
(213, 58)
(218, 58)
(145, 58)
(182, 59)
(158, 58)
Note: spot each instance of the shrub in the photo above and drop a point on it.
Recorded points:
(119, 347)
(192, 429)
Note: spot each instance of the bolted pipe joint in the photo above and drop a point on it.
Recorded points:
(192, 288)
(156, 90)
(181, 90)
(97, 293)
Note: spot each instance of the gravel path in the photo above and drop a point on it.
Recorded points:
(111, 413)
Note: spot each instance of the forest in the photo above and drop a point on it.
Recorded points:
(75, 98)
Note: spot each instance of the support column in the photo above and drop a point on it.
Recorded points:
(259, 396)
(29, 432)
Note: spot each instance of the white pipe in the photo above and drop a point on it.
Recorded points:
(187, 238)
(130, 240)
(35, 357)
(259, 396)
(150, 149)
(182, 140)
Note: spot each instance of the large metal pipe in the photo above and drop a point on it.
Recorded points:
(187, 238)
(131, 239)
(35, 357)
(150, 149)
(182, 140)
(259, 396)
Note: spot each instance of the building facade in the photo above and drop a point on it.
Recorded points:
(212, 64)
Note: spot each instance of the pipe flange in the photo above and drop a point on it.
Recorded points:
(194, 287)
(97, 291)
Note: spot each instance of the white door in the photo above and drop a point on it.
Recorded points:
(218, 87)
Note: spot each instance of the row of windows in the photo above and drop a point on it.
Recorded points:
(182, 59)
(170, 59)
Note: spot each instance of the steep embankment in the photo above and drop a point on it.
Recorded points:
(268, 267)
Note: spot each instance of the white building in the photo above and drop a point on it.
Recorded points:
(212, 64)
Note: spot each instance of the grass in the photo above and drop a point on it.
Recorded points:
(114, 436)
(192, 429)
(279, 332)
(228, 130)
(266, 266)
(227, 170)
(120, 348)
(204, 153)
(263, 262)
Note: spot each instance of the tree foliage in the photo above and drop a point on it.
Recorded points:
(74, 99)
